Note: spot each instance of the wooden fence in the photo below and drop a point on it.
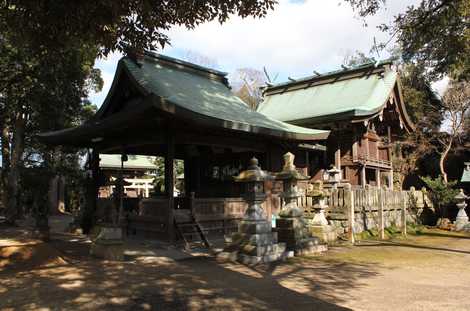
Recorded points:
(355, 209)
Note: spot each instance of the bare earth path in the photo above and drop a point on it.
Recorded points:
(426, 272)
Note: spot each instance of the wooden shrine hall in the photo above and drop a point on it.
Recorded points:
(363, 108)
(161, 106)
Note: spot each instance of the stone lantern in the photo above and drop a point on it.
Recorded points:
(254, 242)
(461, 222)
(253, 179)
(318, 197)
(291, 225)
(319, 225)
(334, 177)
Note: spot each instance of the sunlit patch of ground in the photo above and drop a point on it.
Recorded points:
(426, 271)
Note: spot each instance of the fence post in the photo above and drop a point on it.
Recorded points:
(404, 212)
(381, 197)
(349, 194)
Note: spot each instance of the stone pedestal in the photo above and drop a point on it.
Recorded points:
(461, 222)
(108, 244)
(41, 229)
(254, 242)
(292, 230)
(291, 225)
(326, 234)
(318, 225)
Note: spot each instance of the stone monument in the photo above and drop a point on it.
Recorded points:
(291, 225)
(254, 242)
(461, 222)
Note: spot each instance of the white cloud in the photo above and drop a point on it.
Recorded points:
(441, 86)
(294, 39)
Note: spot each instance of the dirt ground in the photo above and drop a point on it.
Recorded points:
(424, 272)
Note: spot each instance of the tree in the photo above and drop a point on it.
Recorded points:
(47, 54)
(442, 193)
(38, 93)
(435, 34)
(456, 106)
(115, 25)
(199, 59)
(247, 84)
(357, 58)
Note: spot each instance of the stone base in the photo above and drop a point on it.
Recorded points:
(294, 232)
(460, 223)
(310, 246)
(326, 234)
(108, 249)
(254, 243)
(42, 234)
(108, 244)
(257, 254)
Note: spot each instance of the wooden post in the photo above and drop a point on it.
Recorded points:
(377, 177)
(363, 176)
(338, 155)
(404, 212)
(349, 196)
(381, 199)
(170, 182)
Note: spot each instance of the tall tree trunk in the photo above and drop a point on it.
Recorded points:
(5, 152)
(14, 210)
(443, 159)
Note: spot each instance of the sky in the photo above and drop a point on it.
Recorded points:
(293, 40)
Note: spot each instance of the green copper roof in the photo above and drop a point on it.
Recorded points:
(113, 161)
(466, 173)
(205, 92)
(164, 87)
(330, 97)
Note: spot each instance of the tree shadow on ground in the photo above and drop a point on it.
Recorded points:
(159, 283)
(401, 244)
(443, 235)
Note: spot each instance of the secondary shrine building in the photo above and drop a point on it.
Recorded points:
(362, 107)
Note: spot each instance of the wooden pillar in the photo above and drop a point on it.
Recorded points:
(363, 176)
(377, 177)
(170, 182)
(404, 211)
(381, 199)
(390, 179)
(92, 189)
(338, 159)
(349, 200)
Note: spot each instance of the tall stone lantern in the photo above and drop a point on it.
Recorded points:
(461, 222)
(254, 242)
(291, 225)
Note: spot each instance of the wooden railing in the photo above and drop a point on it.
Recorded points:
(373, 161)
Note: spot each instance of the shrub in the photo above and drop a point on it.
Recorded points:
(442, 194)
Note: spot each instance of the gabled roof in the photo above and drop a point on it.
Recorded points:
(359, 92)
(196, 93)
(137, 162)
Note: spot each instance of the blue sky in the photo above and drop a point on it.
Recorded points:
(293, 40)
